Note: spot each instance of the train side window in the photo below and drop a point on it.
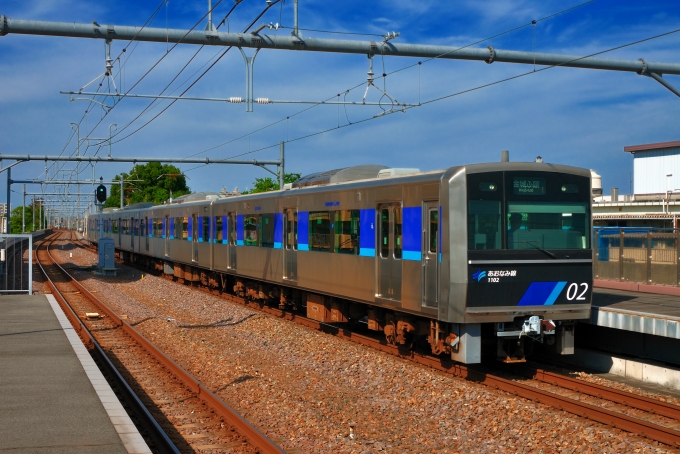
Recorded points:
(384, 233)
(206, 229)
(320, 232)
(218, 229)
(231, 228)
(142, 228)
(397, 232)
(185, 228)
(250, 231)
(178, 228)
(347, 232)
(434, 230)
(291, 229)
(114, 226)
(484, 224)
(267, 230)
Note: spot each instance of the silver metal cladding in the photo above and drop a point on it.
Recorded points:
(454, 245)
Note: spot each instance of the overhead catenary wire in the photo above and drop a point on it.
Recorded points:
(418, 64)
(87, 110)
(156, 64)
(153, 103)
(269, 5)
(462, 92)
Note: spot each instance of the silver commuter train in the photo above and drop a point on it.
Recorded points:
(494, 252)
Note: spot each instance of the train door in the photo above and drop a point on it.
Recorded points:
(146, 234)
(389, 258)
(290, 244)
(430, 252)
(166, 235)
(231, 232)
(193, 231)
(120, 231)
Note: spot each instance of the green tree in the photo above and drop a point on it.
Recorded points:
(269, 184)
(15, 219)
(157, 183)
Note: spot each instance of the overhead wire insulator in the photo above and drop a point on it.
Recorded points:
(236, 100)
(263, 101)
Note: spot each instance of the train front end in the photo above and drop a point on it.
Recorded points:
(519, 258)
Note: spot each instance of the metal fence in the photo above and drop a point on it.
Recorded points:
(16, 264)
(637, 255)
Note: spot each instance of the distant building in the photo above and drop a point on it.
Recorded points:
(656, 167)
(655, 201)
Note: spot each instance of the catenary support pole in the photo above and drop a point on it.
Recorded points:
(282, 170)
(8, 209)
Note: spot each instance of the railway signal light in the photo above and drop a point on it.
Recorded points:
(101, 193)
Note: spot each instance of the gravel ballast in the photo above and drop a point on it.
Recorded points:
(320, 394)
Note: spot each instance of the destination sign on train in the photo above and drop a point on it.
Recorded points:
(528, 186)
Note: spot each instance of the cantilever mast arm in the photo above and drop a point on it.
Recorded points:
(658, 78)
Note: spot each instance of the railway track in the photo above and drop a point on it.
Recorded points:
(652, 419)
(177, 413)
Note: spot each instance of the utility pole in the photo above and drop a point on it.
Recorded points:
(23, 212)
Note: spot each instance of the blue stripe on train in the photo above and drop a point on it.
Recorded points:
(367, 232)
(542, 293)
(412, 233)
(411, 255)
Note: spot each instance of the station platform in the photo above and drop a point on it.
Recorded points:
(640, 311)
(53, 398)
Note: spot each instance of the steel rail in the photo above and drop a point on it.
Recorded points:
(157, 434)
(634, 425)
(614, 419)
(254, 436)
(604, 392)
(260, 41)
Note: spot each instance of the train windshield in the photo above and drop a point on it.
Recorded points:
(557, 225)
(528, 210)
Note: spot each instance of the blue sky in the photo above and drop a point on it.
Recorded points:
(570, 116)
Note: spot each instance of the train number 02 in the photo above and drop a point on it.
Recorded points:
(573, 291)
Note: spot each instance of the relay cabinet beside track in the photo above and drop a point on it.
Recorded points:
(495, 256)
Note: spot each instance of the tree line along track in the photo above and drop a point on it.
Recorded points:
(651, 418)
(178, 413)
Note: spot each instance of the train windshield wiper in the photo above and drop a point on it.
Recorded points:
(545, 251)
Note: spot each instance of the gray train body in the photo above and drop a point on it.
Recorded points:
(427, 254)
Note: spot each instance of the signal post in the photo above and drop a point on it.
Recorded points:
(106, 249)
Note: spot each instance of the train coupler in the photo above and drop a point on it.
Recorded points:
(511, 337)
